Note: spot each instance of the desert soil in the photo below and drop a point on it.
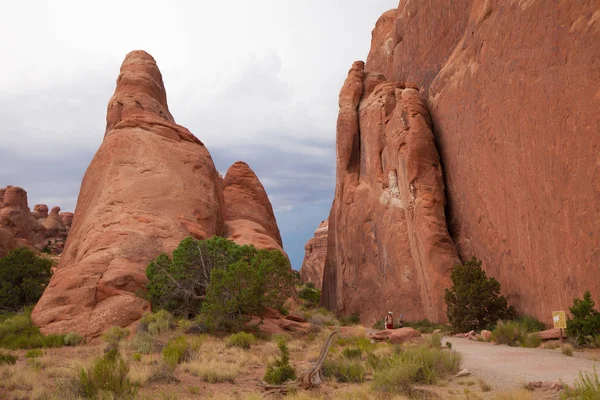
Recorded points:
(505, 367)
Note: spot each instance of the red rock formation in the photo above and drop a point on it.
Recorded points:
(150, 184)
(40, 211)
(248, 212)
(16, 217)
(67, 219)
(388, 246)
(7, 242)
(315, 252)
(54, 225)
(512, 89)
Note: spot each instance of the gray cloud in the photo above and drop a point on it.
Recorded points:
(254, 81)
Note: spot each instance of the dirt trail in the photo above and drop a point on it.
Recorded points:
(506, 367)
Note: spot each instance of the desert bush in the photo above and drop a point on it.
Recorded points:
(107, 375)
(310, 294)
(136, 357)
(23, 278)
(242, 340)
(585, 387)
(510, 333)
(530, 324)
(114, 335)
(220, 278)
(34, 353)
(143, 342)
(345, 369)
(280, 370)
(474, 300)
(434, 340)
(72, 339)
(7, 358)
(352, 319)
(396, 378)
(425, 326)
(420, 364)
(532, 340)
(585, 321)
(246, 288)
(351, 353)
(567, 350)
(176, 351)
(18, 332)
(157, 323)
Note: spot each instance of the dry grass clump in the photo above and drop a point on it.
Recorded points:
(212, 371)
(567, 350)
(521, 394)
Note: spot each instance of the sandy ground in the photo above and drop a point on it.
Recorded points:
(507, 367)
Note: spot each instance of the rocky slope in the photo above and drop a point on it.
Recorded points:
(150, 184)
(315, 252)
(513, 92)
(388, 246)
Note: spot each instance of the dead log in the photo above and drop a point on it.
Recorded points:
(311, 379)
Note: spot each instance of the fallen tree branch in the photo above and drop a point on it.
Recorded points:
(311, 379)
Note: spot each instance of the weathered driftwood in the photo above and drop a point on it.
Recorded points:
(311, 379)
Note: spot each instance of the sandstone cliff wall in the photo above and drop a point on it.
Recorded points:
(513, 89)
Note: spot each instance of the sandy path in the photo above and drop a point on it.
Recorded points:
(510, 367)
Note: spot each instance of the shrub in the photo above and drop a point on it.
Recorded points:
(23, 278)
(345, 369)
(7, 358)
(567, 350)
(114, 335)
(585, 387)
(310, 294)
(530, 324)
(18, 332)
(424, 365)
(532, 340)
(143, 342)
(425, 326)
(72, 339)
(157, 323)
(585, 321)
(474, 300)
(176, 351)
(223, 280)
(246, 288)
(241, 339)
(108, 374)
(352, 353)
(434, 340)
(34, 353)
(510, 333)
(352, 319)
(280, 371)
(137, 357)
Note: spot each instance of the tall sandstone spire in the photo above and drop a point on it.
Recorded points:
(150, 184)
(388, 246)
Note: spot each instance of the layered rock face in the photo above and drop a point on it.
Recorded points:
(388, 245)
(315, 253)
(513, 91)
(249, 215)
(151, 184)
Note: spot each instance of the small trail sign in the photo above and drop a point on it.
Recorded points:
(560, 320)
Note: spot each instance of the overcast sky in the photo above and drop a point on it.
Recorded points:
(254, 80)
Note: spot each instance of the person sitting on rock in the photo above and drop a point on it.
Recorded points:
(389, 321)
